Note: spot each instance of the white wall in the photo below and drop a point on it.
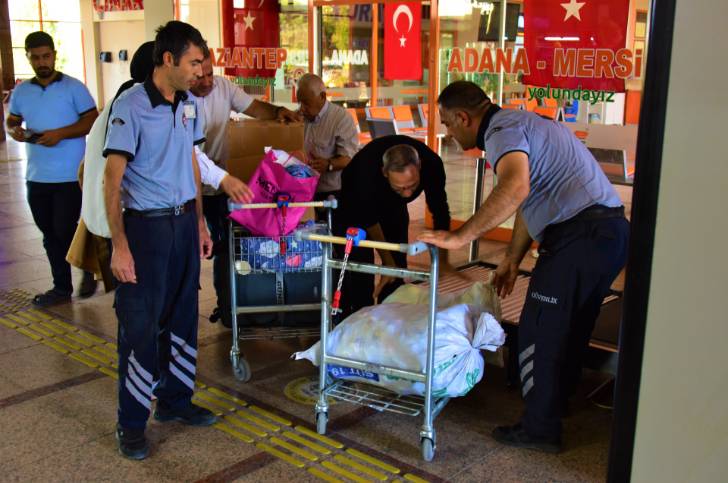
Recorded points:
(682, 424)
(115, 36)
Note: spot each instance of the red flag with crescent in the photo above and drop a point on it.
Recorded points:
(402, 42)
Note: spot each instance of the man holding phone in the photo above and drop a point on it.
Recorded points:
(58, 112)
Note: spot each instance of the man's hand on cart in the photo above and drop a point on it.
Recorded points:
(505, 277)
(384, 280)
(444, 239)
(238, 191)
(205, 240)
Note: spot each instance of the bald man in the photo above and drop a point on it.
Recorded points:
(330, 136)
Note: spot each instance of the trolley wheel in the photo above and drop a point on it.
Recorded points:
(241, 369)
(321, 420)
(428, 449)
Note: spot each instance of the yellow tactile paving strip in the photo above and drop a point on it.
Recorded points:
(319, 455)
(12, 300)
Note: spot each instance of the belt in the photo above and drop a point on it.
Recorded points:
(598, 212)
(173, 211)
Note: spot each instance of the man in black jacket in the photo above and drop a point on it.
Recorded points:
(376, 186)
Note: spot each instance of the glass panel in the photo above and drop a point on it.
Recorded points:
(346, 53)
(60, 10)
(19, 29)
(67, 37)
(23, 9)
(21, 65)
(594, 91)
(294, 38)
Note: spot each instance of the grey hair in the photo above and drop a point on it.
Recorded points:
(311, 83)
(397, 158)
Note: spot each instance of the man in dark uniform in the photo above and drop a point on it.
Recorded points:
(158, 238)
(376, 186)
(563, 200)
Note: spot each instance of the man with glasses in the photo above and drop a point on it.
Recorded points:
(376, 187)
(58, 112)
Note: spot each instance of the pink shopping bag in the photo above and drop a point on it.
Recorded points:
(269, 181)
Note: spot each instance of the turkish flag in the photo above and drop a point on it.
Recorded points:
(572, 43)
(255, 26)
(402, 42)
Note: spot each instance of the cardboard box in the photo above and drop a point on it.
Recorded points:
(248, 138)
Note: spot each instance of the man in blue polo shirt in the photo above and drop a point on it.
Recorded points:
(563, 200)
(157, 239)
(58, 112)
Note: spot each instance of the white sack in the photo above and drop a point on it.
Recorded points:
(395, 335)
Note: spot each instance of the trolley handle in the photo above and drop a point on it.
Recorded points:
(408, 248)
(333, 204)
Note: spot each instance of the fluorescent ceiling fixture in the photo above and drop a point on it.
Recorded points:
(562, 39)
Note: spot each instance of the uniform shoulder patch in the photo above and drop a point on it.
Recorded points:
(117, 121)
(493, 131)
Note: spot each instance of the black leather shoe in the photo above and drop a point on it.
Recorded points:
(192, 415)
(516, 436)
(50, 298)
(88, 285)
(215, 315)
(132, 443)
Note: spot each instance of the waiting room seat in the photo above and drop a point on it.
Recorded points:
(424, 110)
(379, 112)
(364, 137)
(406, 123)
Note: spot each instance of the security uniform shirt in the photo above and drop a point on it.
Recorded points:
(565, 178)
(367, 198)
(157, 138)
(60, 103)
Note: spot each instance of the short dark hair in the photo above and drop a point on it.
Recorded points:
(463, 95)
(38, 39)
(175, 37)
(398, 157)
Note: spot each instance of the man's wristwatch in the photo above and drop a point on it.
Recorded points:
(331, 167)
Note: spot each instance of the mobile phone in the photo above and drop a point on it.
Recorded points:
(31, 136)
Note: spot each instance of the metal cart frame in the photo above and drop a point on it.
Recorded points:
(240, 367)
(362, 393)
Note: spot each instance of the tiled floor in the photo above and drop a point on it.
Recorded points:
(57, 415)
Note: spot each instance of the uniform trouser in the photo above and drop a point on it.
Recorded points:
(56, 208)
(215, 210)
(577, 264)
(158, 316)
(358, 287)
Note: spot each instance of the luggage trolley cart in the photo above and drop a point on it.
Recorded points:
(240, 257)
(366, 394)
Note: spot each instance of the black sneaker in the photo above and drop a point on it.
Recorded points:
(192, 415)
(516, 436)
(132, 443)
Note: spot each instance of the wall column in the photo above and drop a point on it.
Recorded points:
(155, 14)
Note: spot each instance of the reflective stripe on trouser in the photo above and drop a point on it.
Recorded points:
(158, 316)
(577, 264)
